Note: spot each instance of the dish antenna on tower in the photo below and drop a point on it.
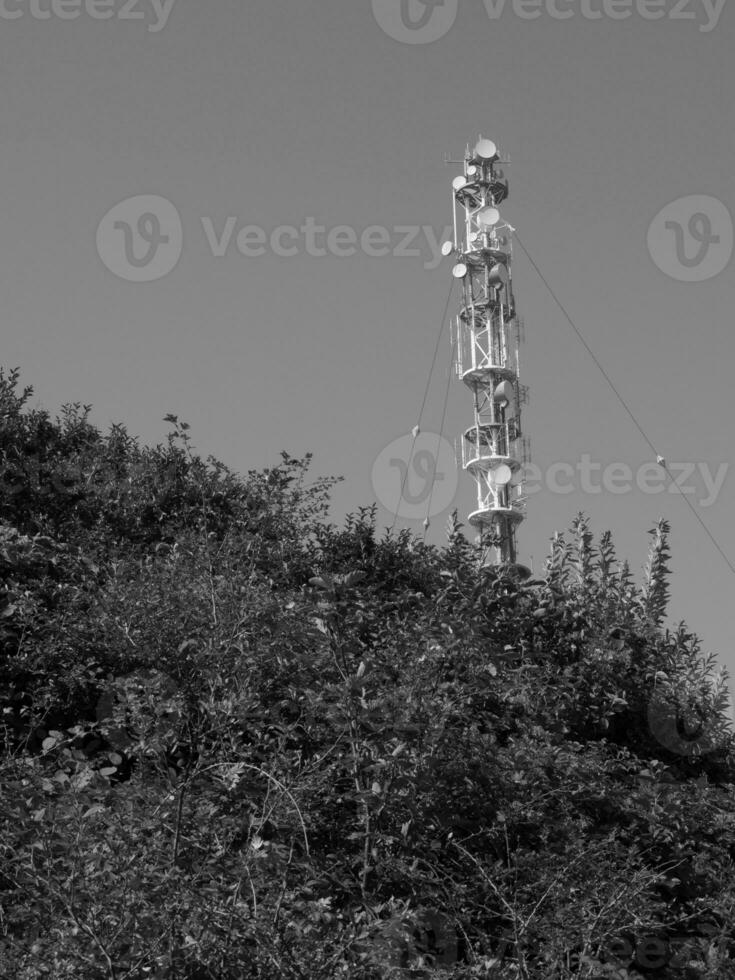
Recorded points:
(496, 276)
(486, 150)
(488, 217)
(504, 394)
(500, 476)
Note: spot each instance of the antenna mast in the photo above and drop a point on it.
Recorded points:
(488, 334)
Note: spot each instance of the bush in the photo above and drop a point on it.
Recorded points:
(242, 742)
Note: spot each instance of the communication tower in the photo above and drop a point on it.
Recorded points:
(487, 344)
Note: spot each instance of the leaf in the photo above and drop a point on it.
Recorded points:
(108, 771)
(82, 778)
(97, 808)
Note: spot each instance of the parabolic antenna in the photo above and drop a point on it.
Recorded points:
(458, 183)
(504, 394)
(496, 277)
(488, 217)
(459, 271)
(447, 249)
(486, 150)
(471, 170)
(500, 476)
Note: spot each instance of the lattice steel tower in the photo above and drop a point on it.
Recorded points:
(488, 337)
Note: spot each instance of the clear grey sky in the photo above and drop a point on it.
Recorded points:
(274, 113)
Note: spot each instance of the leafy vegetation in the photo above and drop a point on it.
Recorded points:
(240, 742)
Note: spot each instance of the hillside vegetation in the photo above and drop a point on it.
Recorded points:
(241, 742)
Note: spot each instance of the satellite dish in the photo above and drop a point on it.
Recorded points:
(504, 393)
(488, 217)
(471, 170)
(500, 476)
(495, 276)
(486, 150)
(458, 183)
(447, 249)
(459, 271)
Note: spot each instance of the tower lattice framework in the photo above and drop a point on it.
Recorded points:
(488, 338)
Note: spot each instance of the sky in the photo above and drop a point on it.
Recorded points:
(186, 191)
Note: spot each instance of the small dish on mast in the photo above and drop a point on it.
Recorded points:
(504, 394)
(486, 150)
(488, 217)
(500, 476)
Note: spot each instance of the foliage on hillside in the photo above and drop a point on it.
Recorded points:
(240, 742)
